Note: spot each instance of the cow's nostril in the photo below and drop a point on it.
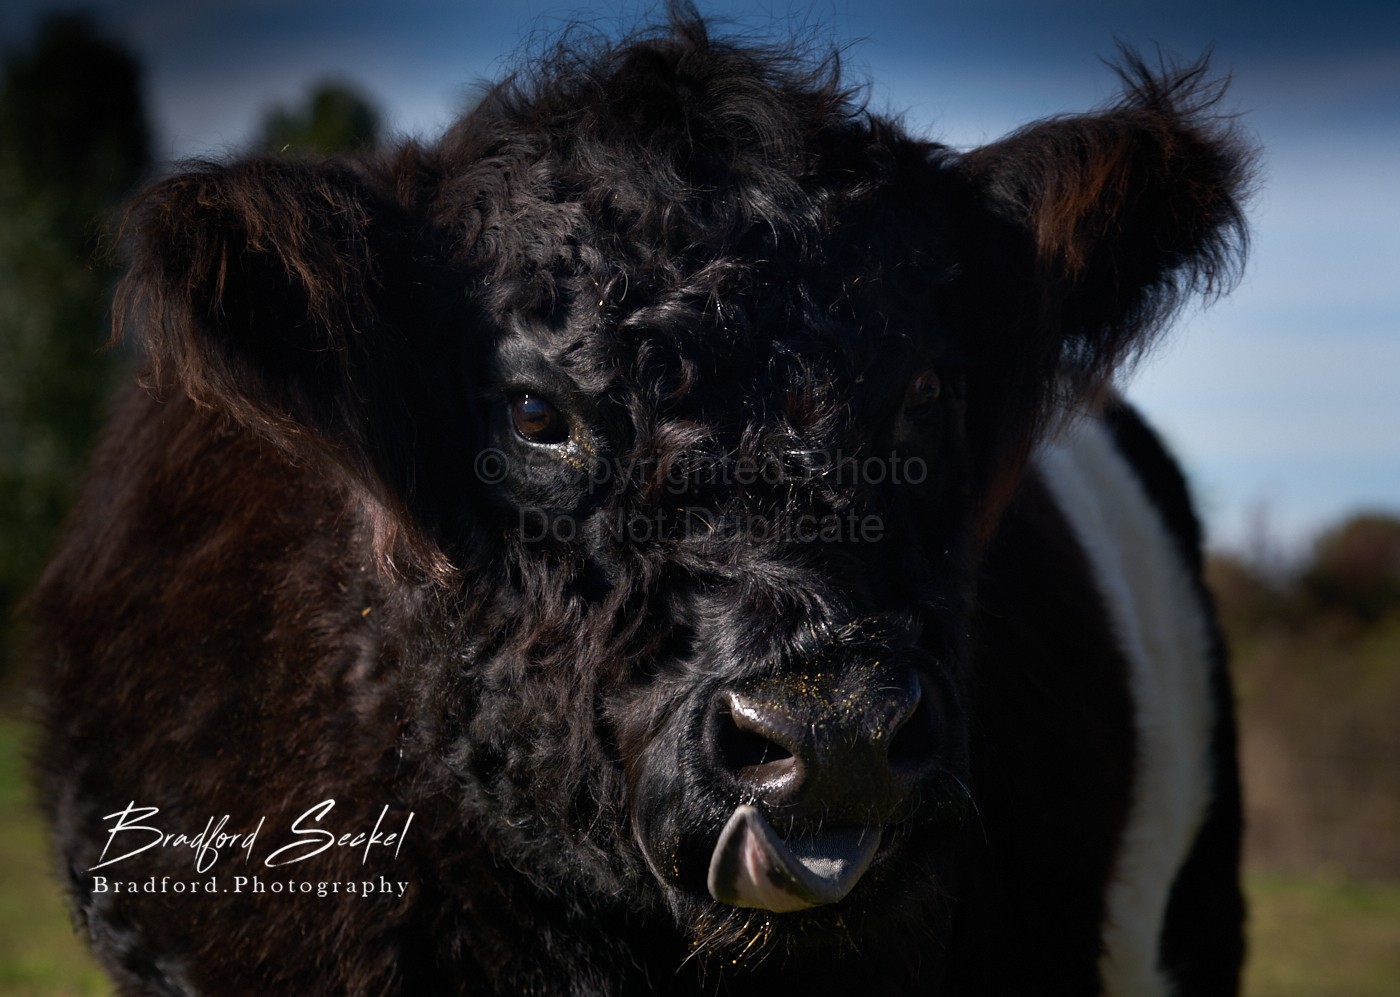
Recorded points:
(749, 743)
(742, 749)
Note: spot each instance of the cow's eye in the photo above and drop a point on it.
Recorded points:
(923, 391)
(538, 420)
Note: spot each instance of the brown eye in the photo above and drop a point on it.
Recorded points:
(537, 420)
(923, 391)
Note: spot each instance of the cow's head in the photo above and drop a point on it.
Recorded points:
(682, 394)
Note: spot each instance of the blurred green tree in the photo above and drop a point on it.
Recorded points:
(334, 118)
(74, 141)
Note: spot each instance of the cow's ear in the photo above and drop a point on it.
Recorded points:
(252, 287)
(267, 291)
(1098, 227)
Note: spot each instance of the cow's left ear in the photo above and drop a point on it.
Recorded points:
(253, 287)
(1099, 226)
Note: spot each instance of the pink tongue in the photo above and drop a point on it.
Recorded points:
(753, 867)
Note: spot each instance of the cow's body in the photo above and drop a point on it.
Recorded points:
(1121, 498)
(563, 582)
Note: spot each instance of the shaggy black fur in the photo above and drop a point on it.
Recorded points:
(783, 364)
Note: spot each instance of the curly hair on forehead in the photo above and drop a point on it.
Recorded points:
(678, 149)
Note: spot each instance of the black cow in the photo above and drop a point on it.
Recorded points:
(674, 534)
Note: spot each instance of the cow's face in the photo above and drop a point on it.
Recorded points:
(722, 450)
(739, 536)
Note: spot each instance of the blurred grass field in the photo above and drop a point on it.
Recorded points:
(1312, 936)
(40, 953)
(1323, 937)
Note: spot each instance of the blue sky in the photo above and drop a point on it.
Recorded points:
(1283, 400)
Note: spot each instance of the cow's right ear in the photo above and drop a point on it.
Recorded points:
(266, 290)
(1088, 232)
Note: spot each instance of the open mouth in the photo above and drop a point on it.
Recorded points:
(752, 866)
